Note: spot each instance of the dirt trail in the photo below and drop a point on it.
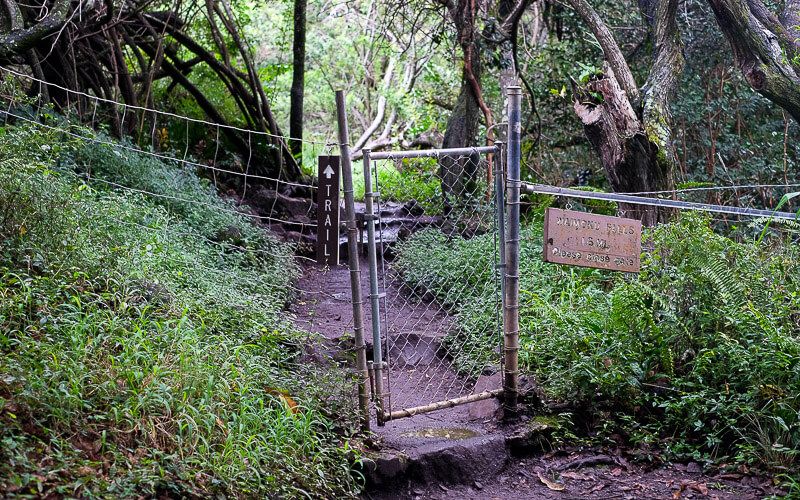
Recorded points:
(461, 453)
(612, 477)
(419, 374)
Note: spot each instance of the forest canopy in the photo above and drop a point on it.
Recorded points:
(630, 96)
(163, 332)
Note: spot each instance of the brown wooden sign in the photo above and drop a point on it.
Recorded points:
(328, 211)
(589, 240)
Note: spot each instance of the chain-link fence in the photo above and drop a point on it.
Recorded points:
(418, 206)
(425, 204)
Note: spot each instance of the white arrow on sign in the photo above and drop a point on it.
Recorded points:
(328, 171)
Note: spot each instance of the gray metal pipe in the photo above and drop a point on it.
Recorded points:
(352, 257)
(658, 202)
(372, 260)
(500, 207)
(511, 276)
(430, 153)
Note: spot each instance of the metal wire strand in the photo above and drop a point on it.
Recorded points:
(163, 157)
(155, 112)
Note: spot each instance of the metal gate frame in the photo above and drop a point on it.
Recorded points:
(380, 365)
(507, 190)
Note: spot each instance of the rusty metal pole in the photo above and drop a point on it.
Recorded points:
(511, 277)
(352, 257)
(500, 207)
(372, 260)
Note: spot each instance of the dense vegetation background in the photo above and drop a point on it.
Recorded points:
(144, 338)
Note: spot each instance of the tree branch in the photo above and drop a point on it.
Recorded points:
(790, 20)
(761, 53)
(663, 78)
(611, 50)
(18, 41)
(381, 111)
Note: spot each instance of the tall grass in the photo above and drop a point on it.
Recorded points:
(144, 345)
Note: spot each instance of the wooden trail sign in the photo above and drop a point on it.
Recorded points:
(328, 211)
(589, 240)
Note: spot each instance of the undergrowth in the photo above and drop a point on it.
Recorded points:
(143, 347)
(403, 180)
(698, 355)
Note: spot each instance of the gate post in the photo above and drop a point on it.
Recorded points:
(511, 276)
(352, 258)
(372, 259)
(500, 207)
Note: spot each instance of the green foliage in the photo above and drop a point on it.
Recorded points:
(588, 72)
(700, 350)
(176, 188)
(409, 180)
(142, 352)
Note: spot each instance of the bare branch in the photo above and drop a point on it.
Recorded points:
(611, 50)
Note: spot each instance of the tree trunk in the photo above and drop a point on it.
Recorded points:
(298, 79)
(633, 161)
(458, 174)
(765, 50)
(630, 127)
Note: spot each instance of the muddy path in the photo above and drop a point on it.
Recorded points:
(465, 452)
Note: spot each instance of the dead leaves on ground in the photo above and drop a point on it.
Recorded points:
(550, 484)
(694, 486)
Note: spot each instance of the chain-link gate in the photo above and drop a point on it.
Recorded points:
(417, 206)
(425, 202)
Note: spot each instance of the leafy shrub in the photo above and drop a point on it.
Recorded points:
(141, 354)
(702, 347)
(409, 180)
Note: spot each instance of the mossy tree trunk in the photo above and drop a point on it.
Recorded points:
(766, 48)
(629, 127)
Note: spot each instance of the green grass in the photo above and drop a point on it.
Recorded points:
(144, 347)
(699, 353)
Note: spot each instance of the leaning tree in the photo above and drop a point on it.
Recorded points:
(118, 49)
(630, 126)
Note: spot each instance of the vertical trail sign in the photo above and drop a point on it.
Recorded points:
(328, 211)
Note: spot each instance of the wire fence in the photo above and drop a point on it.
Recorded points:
(731, 199)
(238, 171)
(156, 112)
(314, 303)
(158, 144)
(427, 203)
